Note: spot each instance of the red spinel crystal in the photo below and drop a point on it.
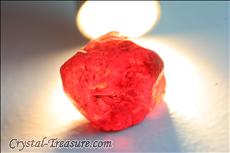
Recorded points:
(114, 82)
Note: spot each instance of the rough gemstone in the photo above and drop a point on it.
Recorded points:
(114, 82)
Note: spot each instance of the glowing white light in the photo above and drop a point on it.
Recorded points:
(130, 18)
(63, 108)
(183, 81)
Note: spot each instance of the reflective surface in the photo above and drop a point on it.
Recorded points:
(194, 116)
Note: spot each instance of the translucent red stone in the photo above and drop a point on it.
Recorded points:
(114, 82)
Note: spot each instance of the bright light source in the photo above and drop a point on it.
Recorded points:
(130, 18)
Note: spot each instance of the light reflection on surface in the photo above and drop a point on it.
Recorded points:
(183, 79)
(51, 113)
(196, 94)
(131, 18)
(62, 106)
